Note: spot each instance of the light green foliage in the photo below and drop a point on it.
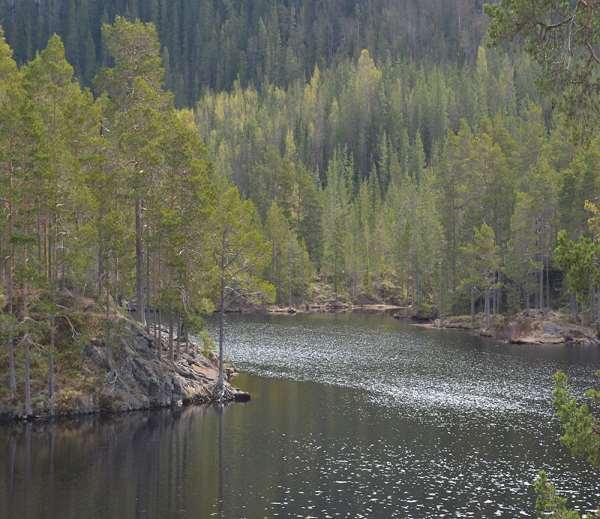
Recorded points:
(580, 434)
(548, 502)
(481, 264)
(290, 269)
(533, 230)
(580, 428)
(68, 129)
(579, 260)
(335, 220)
(238, 248)
(106, 200)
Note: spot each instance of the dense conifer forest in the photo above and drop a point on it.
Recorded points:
(386, 152)
(375, 162)
(175, 158)
(210, 44)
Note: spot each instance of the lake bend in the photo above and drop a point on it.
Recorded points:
(351, 415)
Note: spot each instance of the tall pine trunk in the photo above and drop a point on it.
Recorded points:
(159, 334)
(487, 308)
(27, 368)
(51, 364)
(27, 377)
(148, 287)
(178, 352)
(12, 375)
(541, 283)
(171, 350)
(139, 263)
(548, 301)
(221, 380)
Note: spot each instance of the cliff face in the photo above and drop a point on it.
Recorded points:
(126, 373)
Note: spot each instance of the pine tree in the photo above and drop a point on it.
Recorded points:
(136, 120)
(240, 254)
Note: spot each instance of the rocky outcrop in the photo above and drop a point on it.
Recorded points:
(533, 327)
(127, 374)
(527, 327)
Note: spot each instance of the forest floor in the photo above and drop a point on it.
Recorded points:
(526, 327)
(124, 373)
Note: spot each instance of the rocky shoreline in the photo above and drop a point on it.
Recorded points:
(332, 307)
(129, 375)
(527, 327)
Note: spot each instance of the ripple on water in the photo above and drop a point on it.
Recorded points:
(401, 366)
(483, 407)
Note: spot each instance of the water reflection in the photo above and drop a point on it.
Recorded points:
(395, 432)
(220, 410)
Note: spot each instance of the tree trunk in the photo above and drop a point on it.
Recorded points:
(148, 288)
(171, 350)
(27, 367)
(487, 308)
(27, 377)
(99, 279)
(159, 334)
(541, 280)
(498, 300)
(472, 306)
(573, 306)
(335, 276)
(12, 375)
(51, 365)
(221, 381)
(289, 274)
(178, 353)
(139, 263)
(548, 302)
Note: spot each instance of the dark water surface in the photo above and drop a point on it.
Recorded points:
(352, 416)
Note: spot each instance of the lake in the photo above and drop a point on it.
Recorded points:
(352, 416)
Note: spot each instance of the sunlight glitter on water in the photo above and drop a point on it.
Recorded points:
(399, 365)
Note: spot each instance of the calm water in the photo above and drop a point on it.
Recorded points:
(352, 416)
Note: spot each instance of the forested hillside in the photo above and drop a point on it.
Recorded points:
(389, 154)
(441, 184)
(107, 200)
(213, 43)
(353, 151)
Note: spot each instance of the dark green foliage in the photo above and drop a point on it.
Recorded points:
(213, 43)
(564, 38)
(104, 200)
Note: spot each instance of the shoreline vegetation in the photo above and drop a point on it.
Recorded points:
(144, 370)
(524, 327)
(117, 366)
